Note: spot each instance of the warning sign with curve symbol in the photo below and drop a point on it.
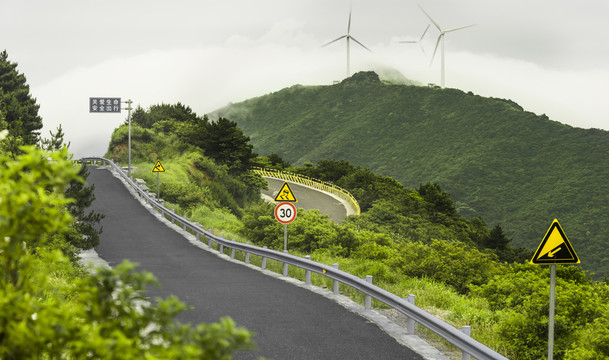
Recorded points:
(285, 194)
(555, 248)
(158, 167)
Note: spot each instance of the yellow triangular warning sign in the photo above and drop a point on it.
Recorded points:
(555, 248)
(158, 167)
(285, 194)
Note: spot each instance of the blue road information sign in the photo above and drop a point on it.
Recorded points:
(104, 105)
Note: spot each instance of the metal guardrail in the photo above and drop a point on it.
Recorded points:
(314, 183)
(456, 337)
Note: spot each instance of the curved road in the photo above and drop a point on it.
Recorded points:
(309, 198)
(290, 322)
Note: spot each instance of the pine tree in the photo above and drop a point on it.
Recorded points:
(55, 142)
(83, 233)
(18, 107)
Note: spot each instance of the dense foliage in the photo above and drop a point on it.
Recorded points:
(216, 157)
(402, 234)
(52, 309)
(398, 226)
(407, 233)
(18, 110)
(84, 231)
(507, 165)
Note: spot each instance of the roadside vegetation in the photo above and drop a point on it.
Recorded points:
(497, 160)
(51, 307)
(412, 241)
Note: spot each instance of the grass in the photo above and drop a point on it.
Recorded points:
(431, 296)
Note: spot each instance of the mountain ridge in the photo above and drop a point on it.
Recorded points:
(498, 161)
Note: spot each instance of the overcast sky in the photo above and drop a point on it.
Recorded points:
(550, 56)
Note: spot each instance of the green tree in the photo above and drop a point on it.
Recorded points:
(497, 239)
(169, 115)
(85, 234)
(18, 107)
(55, 142)
(225, 142)
(440, 203)
(103, 316)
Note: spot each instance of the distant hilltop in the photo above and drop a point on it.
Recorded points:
(498, 161)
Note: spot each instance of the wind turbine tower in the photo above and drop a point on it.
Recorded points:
(349, 38)
(441, 39)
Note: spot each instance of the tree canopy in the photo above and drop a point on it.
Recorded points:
(18, 108)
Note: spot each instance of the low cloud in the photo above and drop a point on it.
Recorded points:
(211, 77)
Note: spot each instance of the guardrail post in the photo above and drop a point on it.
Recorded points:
(263, 265)
(336, 283)
(209, 240)
(173, 220)
(285, 265)
(467, 330)
(232, 252)
(308, 272)
(247, 256)
(368, 299)
(410, 324)
(221, 246)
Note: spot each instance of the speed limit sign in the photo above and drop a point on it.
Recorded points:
(285, 212)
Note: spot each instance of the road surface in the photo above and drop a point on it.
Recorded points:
(290, 322)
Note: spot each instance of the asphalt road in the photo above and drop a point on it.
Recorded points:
(290, 322)
(310, 199)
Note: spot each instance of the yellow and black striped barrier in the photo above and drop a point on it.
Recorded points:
(314, 183)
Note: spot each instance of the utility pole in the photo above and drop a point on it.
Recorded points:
(129, 102)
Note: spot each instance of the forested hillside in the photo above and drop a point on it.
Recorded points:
(411, 240)
(498, 161)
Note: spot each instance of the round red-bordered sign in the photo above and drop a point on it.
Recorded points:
(285, 212)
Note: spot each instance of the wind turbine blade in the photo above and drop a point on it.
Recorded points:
(360, 44)
(432, 20)
(459, 28)
(408, 42)
(349, 25)
(333, 41)
(436, 49)
(424, 32)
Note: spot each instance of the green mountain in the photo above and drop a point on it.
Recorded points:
(498, 161)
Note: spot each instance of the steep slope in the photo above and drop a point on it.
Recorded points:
(510, 166)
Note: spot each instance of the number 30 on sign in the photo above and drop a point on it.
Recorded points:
(285, 212)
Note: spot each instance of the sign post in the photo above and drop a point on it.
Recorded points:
(129, 102)
(554, 249)
(113, 105)
(285, 213)
(158, 168)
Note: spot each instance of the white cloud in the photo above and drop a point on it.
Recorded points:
(206, 78)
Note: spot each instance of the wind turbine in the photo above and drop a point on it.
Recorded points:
(349, 38)
(441, 39)
(418, 41)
